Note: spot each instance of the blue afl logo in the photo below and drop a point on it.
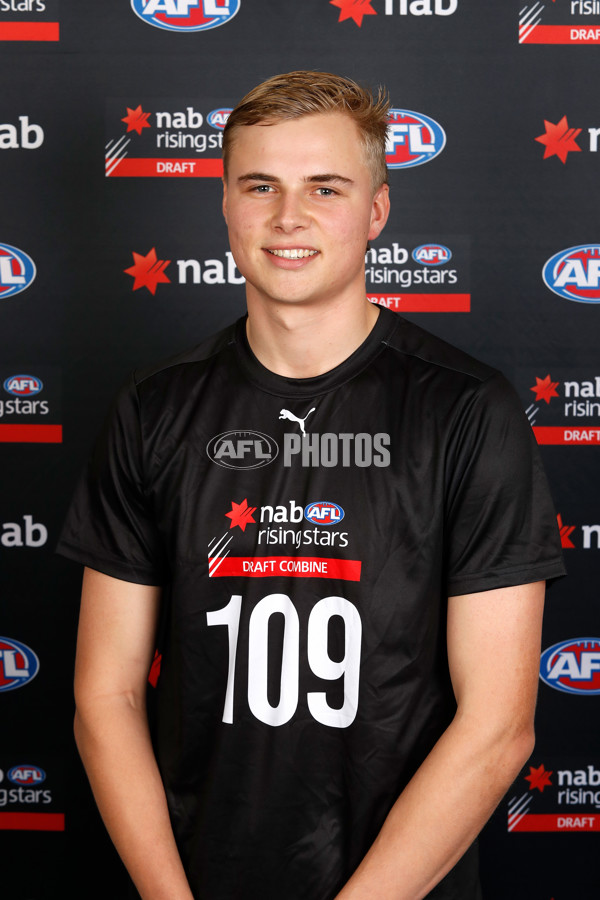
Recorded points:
(26, 775)
(412, 139)
(18, 664)
(322, 512)
(23, 385)
(573, 666)
(575, 273)
(218, 118)
(431, 254)
(17, 271)
(185, 15)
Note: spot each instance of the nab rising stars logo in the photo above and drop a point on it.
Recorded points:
(412, 139)
(185, 15)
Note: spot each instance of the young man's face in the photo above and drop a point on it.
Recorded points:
(300, 208)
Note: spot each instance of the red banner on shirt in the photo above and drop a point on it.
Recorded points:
(290, 566)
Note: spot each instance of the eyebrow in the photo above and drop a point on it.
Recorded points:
(327, 178)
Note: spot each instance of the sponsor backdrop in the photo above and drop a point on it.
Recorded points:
(113, 253)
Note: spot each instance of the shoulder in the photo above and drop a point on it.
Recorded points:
(424, 350)
(193, 360)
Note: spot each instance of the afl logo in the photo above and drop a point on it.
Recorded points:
(242, 449)
(185, 15)
(432, 254)
(18, 664)
(573, 666)
(23, 385)
(412, 139)
(218, 118)
(575, 273)
(17, 271)
(26, 775)
(323, 513)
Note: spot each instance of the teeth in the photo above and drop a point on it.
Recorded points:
(293, 254)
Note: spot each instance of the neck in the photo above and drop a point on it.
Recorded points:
(297, 342)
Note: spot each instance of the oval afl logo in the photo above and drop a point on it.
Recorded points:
(185, 15)
(322, 512)
(242, 449)
(218, 118)
(23, 385)
(575, 273)
(412, 139)
(26, 775)
(17, 271)
(18, 664)
(431, 254)
(573, 666)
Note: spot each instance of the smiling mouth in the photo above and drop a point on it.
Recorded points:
(295, 253)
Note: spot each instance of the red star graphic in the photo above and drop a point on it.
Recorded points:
(136, 119)
(148, 271)
(544, 389)
(241, 514)
(538, 778)
(565, 533)
(354, 9)
(559, 139)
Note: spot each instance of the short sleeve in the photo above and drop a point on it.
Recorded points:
(501, 528)
(110, 526)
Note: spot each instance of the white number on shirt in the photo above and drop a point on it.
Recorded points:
(319, 659)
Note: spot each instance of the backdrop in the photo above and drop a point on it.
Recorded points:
(113, 253)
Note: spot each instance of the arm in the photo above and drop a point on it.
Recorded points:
(493, 651)
(114, 650)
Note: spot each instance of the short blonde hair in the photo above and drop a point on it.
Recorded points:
(305, 93)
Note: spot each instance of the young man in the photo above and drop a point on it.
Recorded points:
(336, 529)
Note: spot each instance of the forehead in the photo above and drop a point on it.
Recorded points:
(323, 142)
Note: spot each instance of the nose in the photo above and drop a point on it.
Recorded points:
(290, 212)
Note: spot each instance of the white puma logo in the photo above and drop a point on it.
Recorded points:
(286, 414)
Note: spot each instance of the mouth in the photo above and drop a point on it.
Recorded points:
(292, 253)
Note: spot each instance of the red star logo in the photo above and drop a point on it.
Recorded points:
(241, 514)
(538, 778)
(136, 119)
(544, 389)
(148, 271)
(354, 9)
(565, 534)
(559, 139)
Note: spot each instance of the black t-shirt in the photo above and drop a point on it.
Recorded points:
(308, 533)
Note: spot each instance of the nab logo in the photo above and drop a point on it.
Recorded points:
(431, 254)
(26, 775)
(323, 513)
(412, 139)
(218, 118)
(242, 449)
(23, 385)
(573, 666)
(17, 271)
(185, 15)
(18, 664)
(574, 274)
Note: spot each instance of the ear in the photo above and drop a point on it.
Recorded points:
(380, 211)
(224, 199)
